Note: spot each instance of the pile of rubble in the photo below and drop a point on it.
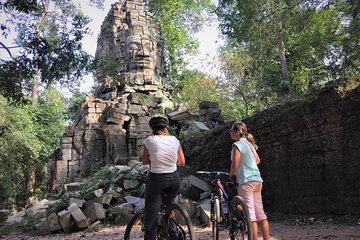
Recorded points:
(112, 197)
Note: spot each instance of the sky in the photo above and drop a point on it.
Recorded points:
(208, 38)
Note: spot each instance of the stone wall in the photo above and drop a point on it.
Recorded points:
(310, 153)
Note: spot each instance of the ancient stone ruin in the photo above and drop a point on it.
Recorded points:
(111, 126)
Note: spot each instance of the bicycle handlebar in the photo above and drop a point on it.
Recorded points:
(212, 172)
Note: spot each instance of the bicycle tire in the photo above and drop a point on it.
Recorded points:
(215, 217)
(135, 227)
(178, 222)
(240, 228)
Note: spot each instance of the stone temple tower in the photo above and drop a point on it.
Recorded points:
(111, 125)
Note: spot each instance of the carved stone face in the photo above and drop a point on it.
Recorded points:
(141, 54)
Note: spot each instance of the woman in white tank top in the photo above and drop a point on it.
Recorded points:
(164, 153)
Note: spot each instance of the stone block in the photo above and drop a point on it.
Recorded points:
(105, 199)
(188, 204)
(134, 163)
(189, 190)
(200, 184)
(94, 212)
(66, 221)
(96, 226)
(123, 219)
(94, 194)
(78, 201)
(66, 140)
(198, 127)
(42, 228)
(139, 203)
(130, 183)
(120, 169)
(81, 222)
(122, 208)
(66, 154)
(72, 187)
(136, 110)
(54, 225)
(16, 218)
(204, 211)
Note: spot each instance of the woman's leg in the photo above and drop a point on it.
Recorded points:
(153, 198)
(265, 229)
(246, 191)
(260, 214)
(254, 230)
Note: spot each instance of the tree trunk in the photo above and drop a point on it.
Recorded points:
(281, 46)
(31, 171)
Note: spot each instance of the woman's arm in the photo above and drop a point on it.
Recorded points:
(181, 157)
(257, 158)
(146, 156)
(236, 160)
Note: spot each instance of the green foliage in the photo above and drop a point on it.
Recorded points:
(244, 83)
(320, 39)
(28, 133)
(178, 20)
(348, 86)
(49, 44)
(109, 65)
(195, 87)
(73, 104)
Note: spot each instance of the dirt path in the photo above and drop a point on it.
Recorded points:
(281, 229)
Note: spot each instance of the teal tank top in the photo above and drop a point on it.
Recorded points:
(247, 171)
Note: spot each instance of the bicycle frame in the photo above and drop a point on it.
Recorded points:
(237, 226)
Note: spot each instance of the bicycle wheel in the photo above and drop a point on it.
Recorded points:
(240, 227)
(215, 217)
(178, 222)
(135, 228)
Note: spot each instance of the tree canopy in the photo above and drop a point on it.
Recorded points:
(295, 45)
(47, 49)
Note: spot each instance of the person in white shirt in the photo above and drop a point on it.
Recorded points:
(164, 154)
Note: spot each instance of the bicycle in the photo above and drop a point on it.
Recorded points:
(237, 219)
(174, 223)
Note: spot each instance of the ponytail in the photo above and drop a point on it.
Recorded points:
(251, 139)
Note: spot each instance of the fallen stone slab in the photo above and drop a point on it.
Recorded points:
(66, 221)
(81, 222)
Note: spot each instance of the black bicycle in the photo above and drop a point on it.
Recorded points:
(228, 210)
(174, 223)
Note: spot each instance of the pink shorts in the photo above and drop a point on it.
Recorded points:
(251, 193)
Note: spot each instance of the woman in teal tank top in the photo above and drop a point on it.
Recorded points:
(244, 161)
